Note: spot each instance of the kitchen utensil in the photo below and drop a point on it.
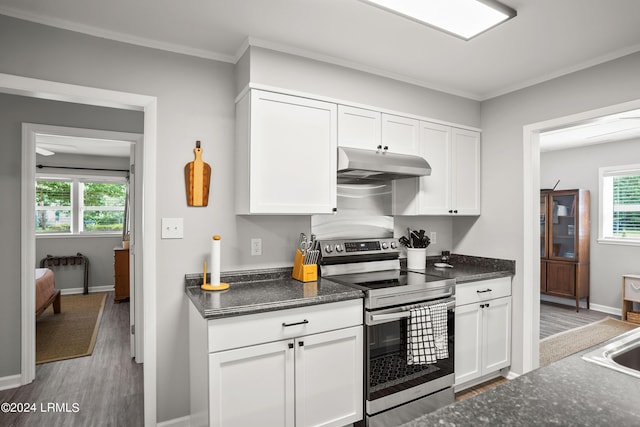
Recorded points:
(197, 175)
(442, 265)
(404, 241)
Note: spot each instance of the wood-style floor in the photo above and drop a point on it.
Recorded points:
(555, 318)
(104, 389)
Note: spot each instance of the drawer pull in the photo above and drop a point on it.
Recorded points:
(284, 324)
(290, 345)
(635, 286)
(486, 290)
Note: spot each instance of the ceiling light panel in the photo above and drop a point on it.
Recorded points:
(462, 18)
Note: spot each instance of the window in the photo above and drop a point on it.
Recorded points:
(620, 205)
(102, 206)
(80, 205)
(53, 206)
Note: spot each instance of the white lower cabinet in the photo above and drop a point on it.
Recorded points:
(313, 379)
(483, 329)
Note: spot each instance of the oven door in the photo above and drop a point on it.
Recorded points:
(391, 380)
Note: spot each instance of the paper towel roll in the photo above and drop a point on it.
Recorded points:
(215, 261)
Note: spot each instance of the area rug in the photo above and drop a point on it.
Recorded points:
(566, 343)
(71, 333)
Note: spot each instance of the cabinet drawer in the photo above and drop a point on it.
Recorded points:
(240, 331)
(472, 292)
(632, 289)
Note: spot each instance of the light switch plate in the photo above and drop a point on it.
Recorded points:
(172, 228)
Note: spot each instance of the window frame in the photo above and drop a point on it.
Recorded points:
(605, 220)
(77, 228)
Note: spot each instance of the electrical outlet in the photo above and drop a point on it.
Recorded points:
(256, 247)
(432, 237)
(172, 228)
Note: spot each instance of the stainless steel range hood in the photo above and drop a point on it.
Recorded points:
(356, 165)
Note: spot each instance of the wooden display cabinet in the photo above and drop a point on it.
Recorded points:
(121, 273)
(564, 244)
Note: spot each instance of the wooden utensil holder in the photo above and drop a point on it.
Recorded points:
(304, 272)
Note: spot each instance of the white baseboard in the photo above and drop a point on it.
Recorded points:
(606, 309)
(92, 289)
(583, 304)
(176, 422)
(12, 381)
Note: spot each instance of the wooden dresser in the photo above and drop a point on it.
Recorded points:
(121, 272)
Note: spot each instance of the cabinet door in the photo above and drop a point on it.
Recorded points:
(428, 195)
(435, 189)
(563, 236)
(252, 386)
(468, 343)
(496, 334)
(543, 276)
(400, 134)
(293, 158)
(544, 229)
(561, 278)
(466, 172)
(329, 378)
(358, 128)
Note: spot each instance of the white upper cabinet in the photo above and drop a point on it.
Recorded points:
(453, 188)
(359, 128)
(400, 134)
(286, 154)
(373, 130)
(465, 172)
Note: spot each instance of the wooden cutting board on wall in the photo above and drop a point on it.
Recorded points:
(197, 176)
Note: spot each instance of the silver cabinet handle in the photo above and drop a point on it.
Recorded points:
(285, 324)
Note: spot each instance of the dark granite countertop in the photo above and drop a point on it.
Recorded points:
(263, 290)
(570, 392)
(470, 268)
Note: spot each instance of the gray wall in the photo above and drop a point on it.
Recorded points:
(195, 102)
(498, 232)
(14, 110)
(578, 168)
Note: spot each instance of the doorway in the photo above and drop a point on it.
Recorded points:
(145, 262)
(531, 263)
(85, 159)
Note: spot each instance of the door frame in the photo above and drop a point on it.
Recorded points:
(46, 89)
(531, 220)
(29, 134)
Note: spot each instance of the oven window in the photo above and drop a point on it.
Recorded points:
(387, 367)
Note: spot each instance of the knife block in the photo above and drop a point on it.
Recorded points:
(304, 272)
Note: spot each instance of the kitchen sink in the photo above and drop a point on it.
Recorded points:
(622, 355)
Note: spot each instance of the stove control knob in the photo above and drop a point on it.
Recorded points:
(328, 249)
(339, 248)
(393, 245)
(385, 245)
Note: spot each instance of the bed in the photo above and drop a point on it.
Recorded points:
(46, 292)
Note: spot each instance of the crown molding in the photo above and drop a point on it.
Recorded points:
(116, 36)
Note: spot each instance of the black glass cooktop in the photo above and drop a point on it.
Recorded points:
(388, 279)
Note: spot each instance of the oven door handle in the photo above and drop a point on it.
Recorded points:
(402, 313)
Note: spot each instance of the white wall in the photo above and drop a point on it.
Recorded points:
(578, 168)
(498, 232)
(296, 73)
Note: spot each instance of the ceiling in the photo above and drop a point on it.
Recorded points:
(547, 39)
(58, 144)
